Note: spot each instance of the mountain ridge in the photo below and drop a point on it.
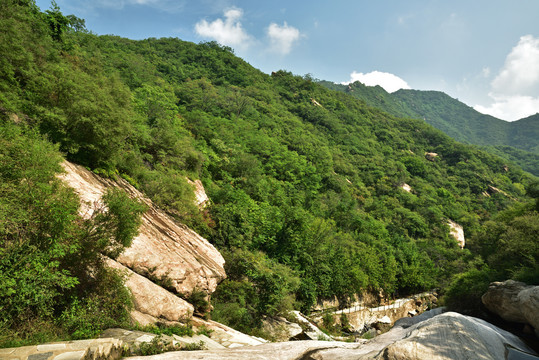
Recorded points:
(458, 120)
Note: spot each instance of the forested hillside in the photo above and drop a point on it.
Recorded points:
(515, 141)
(306, 183)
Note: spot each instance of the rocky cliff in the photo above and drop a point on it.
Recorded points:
(163, 251)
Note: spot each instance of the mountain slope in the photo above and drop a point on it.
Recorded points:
(457, 120)
(314, 194)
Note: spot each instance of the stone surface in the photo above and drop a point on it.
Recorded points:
(457, 231)
(311, 331)
(153, 300)
(406, 187)
(431, 156)
(93, 349)
(514, 301)
(452, 336)
(271, 351)
(225, 335)
(449, 336)
(209, 344)
(133, 339)
(529, 305)
(163, 249)
(362, 317)
(201, 198)
(281, 329)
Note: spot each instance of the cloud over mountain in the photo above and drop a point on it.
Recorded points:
(515, 89)
(388, 81)
(227, 31)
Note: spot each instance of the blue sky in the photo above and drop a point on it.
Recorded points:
(485, 53)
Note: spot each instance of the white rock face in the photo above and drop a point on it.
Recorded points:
(406, 187)
(163, 249)
(431, 156)
(201, 197)
(312, 332)
(153, 300)
(457, 231)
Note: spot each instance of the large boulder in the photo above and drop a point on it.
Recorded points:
(452, 336)
(151, 299)
(280, 329)
(514, 301)
(163, 250)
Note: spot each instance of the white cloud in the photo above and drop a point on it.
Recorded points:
(520, 74)
(515, 89)
(510, 108)
(227, 32)
(282, 38)
(388, 81)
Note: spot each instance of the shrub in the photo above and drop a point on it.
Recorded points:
(107, 305)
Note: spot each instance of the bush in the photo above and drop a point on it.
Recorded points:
(199, 299)
(107, 305)
(464, 293)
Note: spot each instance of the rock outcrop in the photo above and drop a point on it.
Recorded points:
(362, 317)
(457, 231)
(151, 299)
(443, 337)
(431, 156)
(134, 339)
(271, 351)
(406, 187)
(201, 198)
(225, 335)
(452, 336)
(514, 301)
(164, 249)
(93, 349)
(310, 330)
(280, 329)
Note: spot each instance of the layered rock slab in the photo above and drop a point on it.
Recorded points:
(93, 349)
(450, 336)
(153, 300)
(271, 351)
(163, 249)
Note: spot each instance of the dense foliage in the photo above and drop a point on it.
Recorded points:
(508, 248)
(305, 182)
(52, 273)
(515, 141)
